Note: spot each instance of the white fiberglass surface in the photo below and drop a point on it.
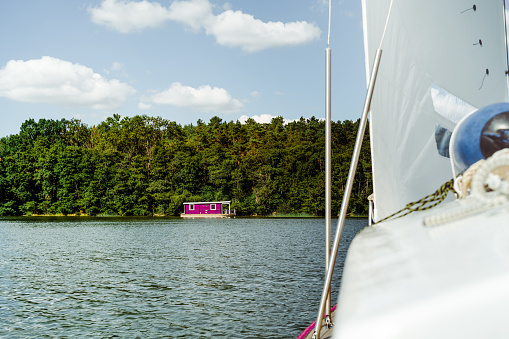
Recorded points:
(406, 280)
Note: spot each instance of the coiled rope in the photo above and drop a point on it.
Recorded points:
(485, 183)
(493, 173)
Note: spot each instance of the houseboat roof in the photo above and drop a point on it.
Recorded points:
(207, 202)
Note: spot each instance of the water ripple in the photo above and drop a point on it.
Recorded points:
(161, 278)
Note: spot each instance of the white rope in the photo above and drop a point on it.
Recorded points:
(487, 181)
(491, 173)
(464, 211)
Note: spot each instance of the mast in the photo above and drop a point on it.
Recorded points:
(328, 164)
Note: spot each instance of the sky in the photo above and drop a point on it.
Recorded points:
(182, 60)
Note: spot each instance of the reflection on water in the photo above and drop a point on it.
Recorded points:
(98, 277)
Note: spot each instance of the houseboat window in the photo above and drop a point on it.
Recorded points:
(191, 207)
(213, 207)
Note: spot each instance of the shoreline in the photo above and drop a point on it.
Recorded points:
(285, 216)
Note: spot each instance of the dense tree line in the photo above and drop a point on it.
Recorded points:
(149, 166)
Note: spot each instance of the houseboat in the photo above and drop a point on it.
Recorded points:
(213, 209)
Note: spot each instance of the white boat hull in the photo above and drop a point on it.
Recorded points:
(406, 280)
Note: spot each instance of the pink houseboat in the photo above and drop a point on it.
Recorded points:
(213, 209)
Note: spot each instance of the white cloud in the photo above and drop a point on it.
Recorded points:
(62, 83)
(230, 28)
(127, 16)
(194, 13)
(202, 99)
(256, 94)
(144, 107)
(262, 119)
(321, 5)
(116, 66)
(236, 29)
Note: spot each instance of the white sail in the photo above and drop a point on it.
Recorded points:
(427, 45)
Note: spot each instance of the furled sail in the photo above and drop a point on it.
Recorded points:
(433, 50)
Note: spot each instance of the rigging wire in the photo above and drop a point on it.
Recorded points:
(386, 24)
(328, 35)
(506, 51)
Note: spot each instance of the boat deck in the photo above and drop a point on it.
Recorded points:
(325, 333)
(437, 273)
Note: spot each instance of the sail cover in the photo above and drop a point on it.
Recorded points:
(450, 51)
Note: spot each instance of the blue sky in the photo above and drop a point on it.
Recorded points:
(182, 60)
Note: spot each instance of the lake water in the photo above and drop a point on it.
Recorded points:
(162, 278)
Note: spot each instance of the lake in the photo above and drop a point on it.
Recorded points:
(163, 278)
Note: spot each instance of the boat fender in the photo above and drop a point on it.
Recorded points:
(480, 135)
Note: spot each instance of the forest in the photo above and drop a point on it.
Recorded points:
(149, 166)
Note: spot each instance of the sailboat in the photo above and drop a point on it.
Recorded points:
(435, 261)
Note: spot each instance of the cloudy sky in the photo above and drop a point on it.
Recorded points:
(182, 60)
